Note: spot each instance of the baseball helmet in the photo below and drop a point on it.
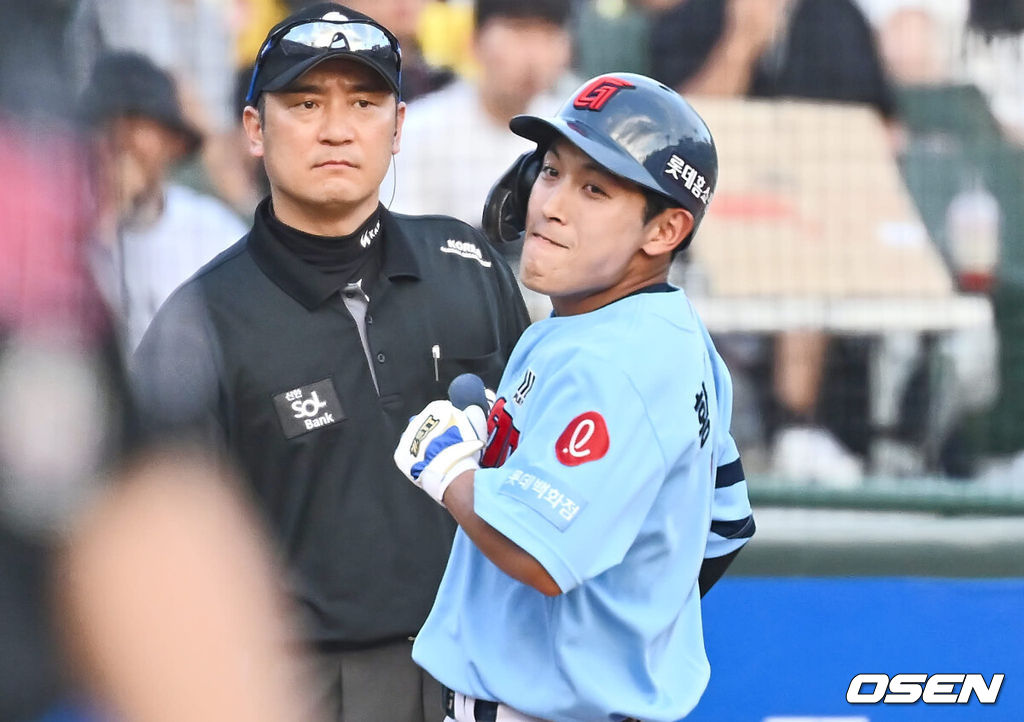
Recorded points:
(634, 127)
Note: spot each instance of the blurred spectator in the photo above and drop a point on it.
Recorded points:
(817, 49)
(199, 635)
(977, 41)
(402, 17)
(147, 634)
(55, 347)
(966, 180)
(446, 35)
(60, 410)
(193, 40)
(190, 39)
(456, 142)
(251, 19)
(912, 47)
(991, 58)
(156, 234)
(814, 49)
(612, 36)
(205, 633)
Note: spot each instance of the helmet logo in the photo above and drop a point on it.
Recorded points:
(690, 178)
(599, 92)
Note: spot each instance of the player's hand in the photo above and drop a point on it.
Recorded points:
(439, 443)
(477, 415)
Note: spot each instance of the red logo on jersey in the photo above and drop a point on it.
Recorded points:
(599, 92)
(584, 439)
(502, 436)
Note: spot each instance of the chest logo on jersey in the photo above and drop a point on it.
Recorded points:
(703, 415)
(584, 439)
(525, 386)
(502, 436)
(465, 249)
(308, 408)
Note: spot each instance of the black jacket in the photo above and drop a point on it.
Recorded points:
(260, 353)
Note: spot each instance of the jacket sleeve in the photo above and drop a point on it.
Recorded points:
(175, 373)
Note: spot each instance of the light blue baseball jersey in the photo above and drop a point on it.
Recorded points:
(608, 434)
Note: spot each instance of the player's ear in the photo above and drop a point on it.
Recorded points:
(667, 230)
(253, 126)
(396, 141)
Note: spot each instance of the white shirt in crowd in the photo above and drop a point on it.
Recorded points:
(453, 152)
(149, 263)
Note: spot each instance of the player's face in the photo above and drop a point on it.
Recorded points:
(326, 141)
(584, 232)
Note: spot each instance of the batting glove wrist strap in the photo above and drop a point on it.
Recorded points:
(446, 466)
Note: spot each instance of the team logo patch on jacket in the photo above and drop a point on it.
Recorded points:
(465, 249)
(308, 408)
(369, 235)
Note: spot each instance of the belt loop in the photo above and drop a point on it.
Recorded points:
(448, 697)
(483, 710)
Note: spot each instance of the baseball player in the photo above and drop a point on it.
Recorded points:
(608, 477)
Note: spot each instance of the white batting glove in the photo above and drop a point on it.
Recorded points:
(477, 418)
(440, 443)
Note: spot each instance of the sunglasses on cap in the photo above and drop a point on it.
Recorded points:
(293, 49)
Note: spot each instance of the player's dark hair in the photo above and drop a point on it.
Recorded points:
(261, 108)
(553, 11)
(655, 203)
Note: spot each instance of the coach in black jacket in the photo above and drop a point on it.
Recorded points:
(305, 348)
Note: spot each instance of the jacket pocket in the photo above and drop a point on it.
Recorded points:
(488, 367)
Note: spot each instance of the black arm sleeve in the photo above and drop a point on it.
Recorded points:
(713, 569)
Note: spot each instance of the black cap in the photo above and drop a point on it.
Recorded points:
(125, 83)
(281, 61)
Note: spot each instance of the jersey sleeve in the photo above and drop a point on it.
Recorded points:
(587, 468)
(732, 521)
